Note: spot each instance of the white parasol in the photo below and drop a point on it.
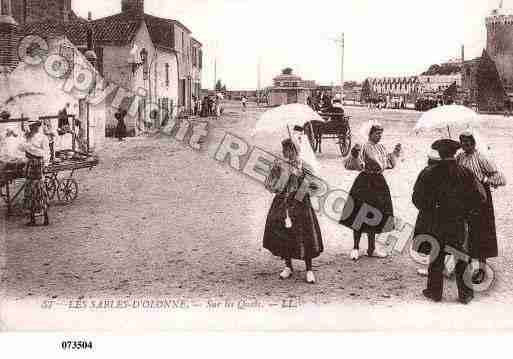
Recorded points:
(450, 118)
(282, 120)
(279, 118)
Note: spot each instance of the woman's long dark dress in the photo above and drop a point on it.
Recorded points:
(36, 195)
(303, 240)
(371, 189)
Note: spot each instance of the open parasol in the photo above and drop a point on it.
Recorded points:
(450, 118)
(283, 119)
(291, 115)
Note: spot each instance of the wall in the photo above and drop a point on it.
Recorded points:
(499, 46)
(183, 49)
(439, 82)
(163, 90)
(117, 68)
(50, 96)
(25, 11)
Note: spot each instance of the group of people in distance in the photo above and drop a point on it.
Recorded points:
(210, 106)
(452, 195)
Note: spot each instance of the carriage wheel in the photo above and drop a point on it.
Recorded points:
(51, 185)
(67, 191)
(344, 144)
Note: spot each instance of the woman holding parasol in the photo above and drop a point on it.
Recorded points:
(292, 230)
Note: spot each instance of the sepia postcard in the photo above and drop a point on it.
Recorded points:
(250, 165)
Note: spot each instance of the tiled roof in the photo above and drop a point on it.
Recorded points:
(76, 31)
(119, 29)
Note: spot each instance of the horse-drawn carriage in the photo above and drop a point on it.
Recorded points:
(335, 127)
(64, 188)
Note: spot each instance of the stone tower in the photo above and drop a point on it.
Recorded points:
(135, 7)
(27, 11)
(9, 37)
(499, 44)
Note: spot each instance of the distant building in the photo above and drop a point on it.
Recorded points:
(438, 83)
(400, 89)
(499, 43)
(287, 89)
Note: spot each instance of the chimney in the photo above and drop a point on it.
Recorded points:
(9, 37)
(89, 16)
(462, 54)
(133, 7)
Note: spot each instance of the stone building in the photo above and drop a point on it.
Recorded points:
(402, 89)
(499, 43)
(288, 88)
(154, 60)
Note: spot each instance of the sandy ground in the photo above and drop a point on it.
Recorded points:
(158, 219)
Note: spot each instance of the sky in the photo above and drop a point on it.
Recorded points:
(382, 38)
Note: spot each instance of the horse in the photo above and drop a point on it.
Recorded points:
(314, 131)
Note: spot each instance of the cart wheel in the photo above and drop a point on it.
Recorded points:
(67, 191)
(344, 144)
(51, 185)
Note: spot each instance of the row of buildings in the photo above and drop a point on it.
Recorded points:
(486, 81)
(156, 61)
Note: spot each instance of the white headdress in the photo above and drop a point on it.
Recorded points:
(481, 144)
(367, 127)
(306, 154)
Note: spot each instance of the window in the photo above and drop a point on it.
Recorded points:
(183, 42)
(167, 75)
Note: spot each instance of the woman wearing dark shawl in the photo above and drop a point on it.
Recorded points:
(292, 230)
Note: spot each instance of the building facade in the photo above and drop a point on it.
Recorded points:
(404, 89)
(499, 43)
(287, 89)
(156, 61)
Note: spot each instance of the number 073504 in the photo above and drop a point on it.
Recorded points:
(76, 345)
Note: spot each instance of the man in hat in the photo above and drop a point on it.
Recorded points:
(337, 122)
(63, 123)
(451, 193)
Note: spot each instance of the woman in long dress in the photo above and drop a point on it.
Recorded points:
(371, 189)
(37, 151)
(292, 230)
(482, 227)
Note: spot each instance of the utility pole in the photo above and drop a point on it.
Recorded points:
(259, 73)
(341, 42)
(215, 64)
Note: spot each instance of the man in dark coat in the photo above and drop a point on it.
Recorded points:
(451, 194)
(338, 122)
(63, 123)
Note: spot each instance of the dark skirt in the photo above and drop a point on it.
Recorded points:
(36, 198)
(483, 235)
(121, 130)
(370, 189)
(303, 240)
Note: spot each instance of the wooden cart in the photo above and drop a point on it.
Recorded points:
(63, 188)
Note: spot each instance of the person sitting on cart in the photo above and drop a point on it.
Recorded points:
(337, 122)
(38, 155)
